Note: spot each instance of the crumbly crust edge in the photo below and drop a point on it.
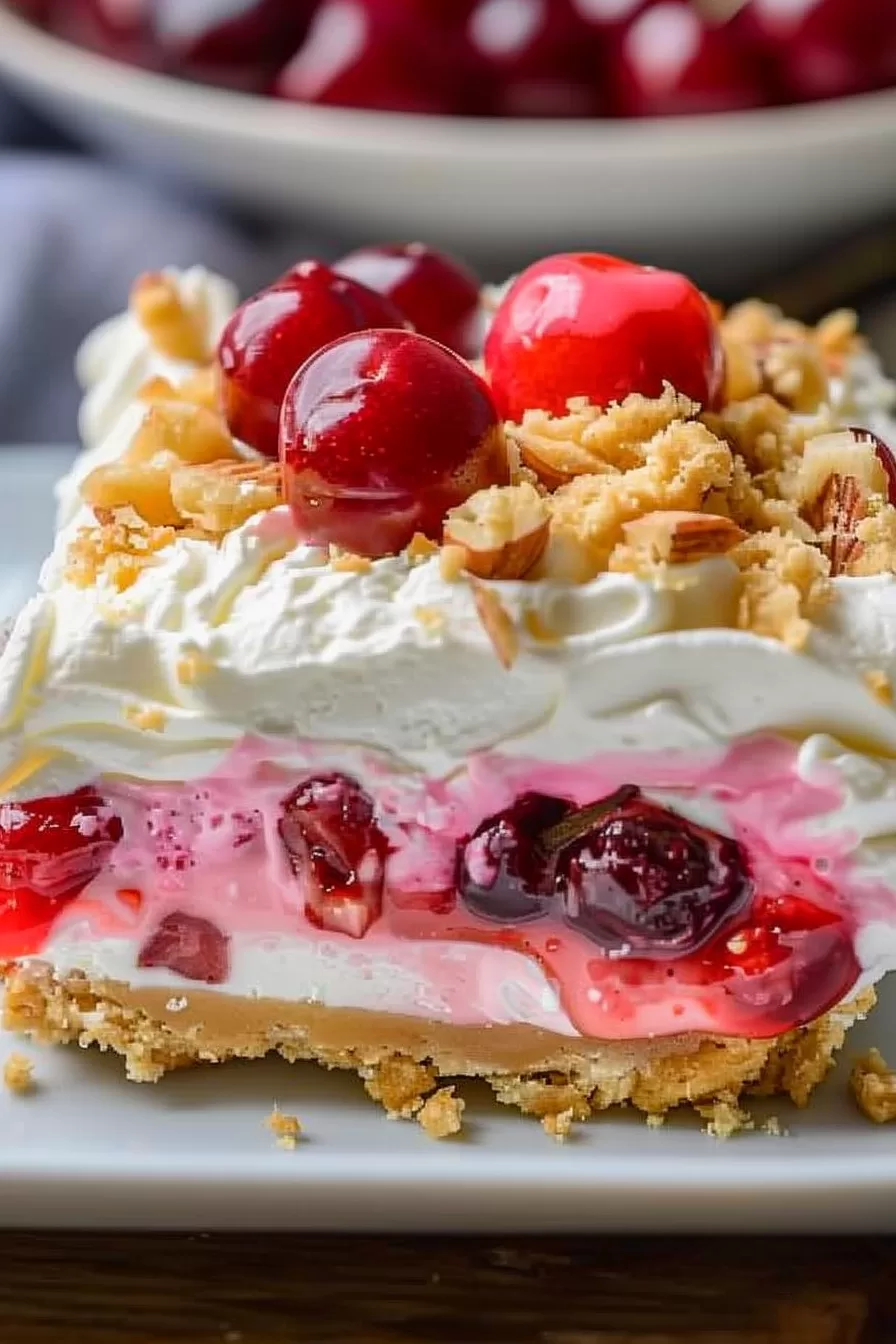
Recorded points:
(711, 1075)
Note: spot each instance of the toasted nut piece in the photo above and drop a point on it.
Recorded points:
(173, 329)
(200, 389)
(497, 623)
(873, 1085)
(835, 515)
(794, 372)
(145, 487)
(192, 433)
(680, 538)
(503, 530)
(221, 496)
(844, 453)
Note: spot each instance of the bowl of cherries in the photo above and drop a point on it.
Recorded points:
(680, 128)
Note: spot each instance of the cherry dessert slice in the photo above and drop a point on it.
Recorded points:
(582, 324)
(272, 335)
(338, 852)
(382, 433)
(438, 294)
(503, 874)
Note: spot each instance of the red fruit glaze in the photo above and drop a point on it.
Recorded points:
(50, 849)
(272, 335)
(586, 325)
(382, 433)
(192, 947)
(438, 294)
(338, 852)
(389, 55)
(671, 61)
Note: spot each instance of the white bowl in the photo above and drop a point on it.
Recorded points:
(730, 192)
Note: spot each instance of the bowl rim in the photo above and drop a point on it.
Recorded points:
(41, 60)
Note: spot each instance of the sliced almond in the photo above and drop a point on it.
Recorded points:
(172, 327)
(836, 514)
(502, 531)
(680, 538)
(843, 453)
(143, 487)
(497, 623)
(199, 389)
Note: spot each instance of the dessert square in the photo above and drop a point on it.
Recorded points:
(444, 684)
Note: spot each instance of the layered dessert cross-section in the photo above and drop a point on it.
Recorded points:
(438, 685)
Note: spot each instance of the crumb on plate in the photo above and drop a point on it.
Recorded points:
(285, 1128)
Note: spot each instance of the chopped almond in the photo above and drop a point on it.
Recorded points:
(502, 531)
(143, 487)
(193, 434)
(497, 623)
(842, 453)
(173, 329)
(221, 496)
(680, 538)
(836, 515)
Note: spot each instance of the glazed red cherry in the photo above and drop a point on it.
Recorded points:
(390, 55)
(672, 61)
(272, 334)
(644, 881)
(382, 433)
(190, 946)
(502, 873)
(438, 294)
(586, 325)
(116, 28)
(50, 849)
(825, 48)
(338, 852)
(538, 58)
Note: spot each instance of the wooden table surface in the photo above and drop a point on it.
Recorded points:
(155, 1289)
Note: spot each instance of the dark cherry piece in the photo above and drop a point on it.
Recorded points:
(237, 42)
(437, 293)
(272, 335)
(338, 852)
(538, 57)
(645, 881)
(190, 946)
(671, 61)
(825, 48)
(388, 55)
(382, 433)
(50, 849)
(586, 324)
(503, 874)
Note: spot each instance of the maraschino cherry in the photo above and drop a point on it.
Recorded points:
(383, 432)
(437, 293)
(272, 334)
(582, 324)
(825, 48)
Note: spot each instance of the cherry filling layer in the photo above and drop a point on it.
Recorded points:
(636, 917)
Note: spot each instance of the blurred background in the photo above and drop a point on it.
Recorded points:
(750, 142)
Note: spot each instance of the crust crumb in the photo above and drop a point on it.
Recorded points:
(497, 623)
(873, 1085)
(192, 666)
(773, 1128)
(559, 1126)
(285, 1128)
(431, 618)
(18, 1074)
(400, 1084)
(344, 562)
(441, 1115)
(148, 718)
(420, 548)
(879, 684)
(725, 1117)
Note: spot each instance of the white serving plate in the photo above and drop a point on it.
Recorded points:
(730, 193)
(88, 1149)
